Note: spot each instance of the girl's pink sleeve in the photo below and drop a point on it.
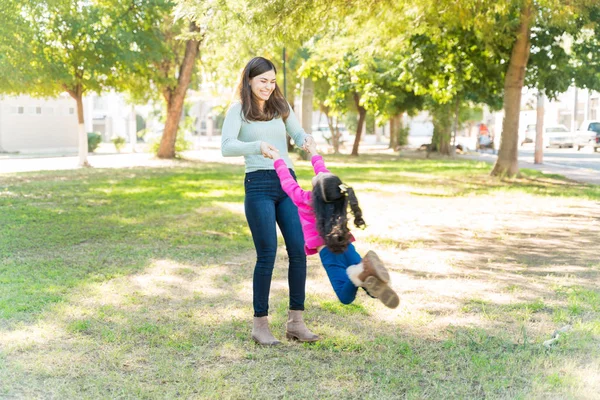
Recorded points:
(318, 164)
(289, 185)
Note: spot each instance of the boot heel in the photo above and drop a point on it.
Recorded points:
(289, 336)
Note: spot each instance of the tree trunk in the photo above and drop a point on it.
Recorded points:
(306, 109)
(442, 131)
(399, 131)
(507, 163)
(77, 94)
(175, 96)
(393, 133)
(362, 113)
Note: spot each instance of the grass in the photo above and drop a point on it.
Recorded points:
(136, 283)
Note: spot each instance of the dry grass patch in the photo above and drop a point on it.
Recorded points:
(141, 288)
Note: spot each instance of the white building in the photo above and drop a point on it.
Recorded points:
(38, 125)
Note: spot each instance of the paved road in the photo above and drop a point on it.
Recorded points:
(584, 158)
(582, 166)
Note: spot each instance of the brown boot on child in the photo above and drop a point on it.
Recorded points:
(372, 275)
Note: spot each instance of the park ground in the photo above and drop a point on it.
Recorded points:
(136, 283)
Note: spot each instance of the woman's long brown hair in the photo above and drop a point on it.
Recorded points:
(275, 107)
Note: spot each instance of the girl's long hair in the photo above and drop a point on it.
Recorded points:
(331, 212)
(275, 107)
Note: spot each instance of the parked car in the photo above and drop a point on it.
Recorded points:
(557, 135)
(588, 135)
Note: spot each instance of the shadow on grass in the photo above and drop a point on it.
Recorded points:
(146, 277)
(178, 344)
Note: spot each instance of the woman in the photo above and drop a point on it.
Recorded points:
(253, 127)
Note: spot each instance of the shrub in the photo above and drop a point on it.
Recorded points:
(119, 142)
(94, 139)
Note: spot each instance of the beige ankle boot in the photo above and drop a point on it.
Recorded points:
(371, 281)
(261, 332)
(296, 330)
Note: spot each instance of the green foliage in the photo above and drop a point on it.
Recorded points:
(94, 140)
(403, 135)
(119, 143)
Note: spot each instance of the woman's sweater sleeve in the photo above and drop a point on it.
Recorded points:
(294, 129)
(289, 184)
(231, 146)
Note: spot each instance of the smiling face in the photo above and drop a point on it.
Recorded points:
(263, 85)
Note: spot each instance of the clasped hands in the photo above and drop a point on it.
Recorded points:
(270, 151)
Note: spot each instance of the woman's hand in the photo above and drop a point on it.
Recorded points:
(308, 142)
(310, 145)
(266, 149)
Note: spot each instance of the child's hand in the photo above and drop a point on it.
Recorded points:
(275, 154)
(266, 149)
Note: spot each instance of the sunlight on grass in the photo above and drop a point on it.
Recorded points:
(138, 284)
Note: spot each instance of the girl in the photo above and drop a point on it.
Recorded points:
(263, 117)
(323, 214)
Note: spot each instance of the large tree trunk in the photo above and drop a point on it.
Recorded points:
(362, 114)
(393, 133)
(507, 163)
(175, 96)
(399, 130)
(306, 110)
(442, 128)
(77, 94)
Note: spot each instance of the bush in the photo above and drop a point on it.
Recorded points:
(119, 142)
(403, 136)
(94, 139)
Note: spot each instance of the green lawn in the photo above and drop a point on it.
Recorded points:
(136, 283)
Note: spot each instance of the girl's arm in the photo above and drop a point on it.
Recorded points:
(315, 158)
(288, 183)
(318, 164)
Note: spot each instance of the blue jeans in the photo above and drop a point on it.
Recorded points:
(266, 206)
(335, 265)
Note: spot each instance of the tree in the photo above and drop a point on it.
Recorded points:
(63, 46)
(541, 25)
(452, 68)
(167, 42)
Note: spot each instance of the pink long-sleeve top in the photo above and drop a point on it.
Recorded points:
(302, 200)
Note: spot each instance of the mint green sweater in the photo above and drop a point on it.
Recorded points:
(242, 138)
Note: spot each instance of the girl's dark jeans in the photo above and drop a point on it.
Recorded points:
(266, 205)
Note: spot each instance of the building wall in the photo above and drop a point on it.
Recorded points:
(38, 125)
(30, 125)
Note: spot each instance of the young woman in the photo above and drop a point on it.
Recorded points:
(253, 127)
(324, 215)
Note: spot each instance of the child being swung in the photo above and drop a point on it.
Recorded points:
(324, 218)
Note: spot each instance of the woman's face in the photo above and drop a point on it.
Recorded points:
(263, 85)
